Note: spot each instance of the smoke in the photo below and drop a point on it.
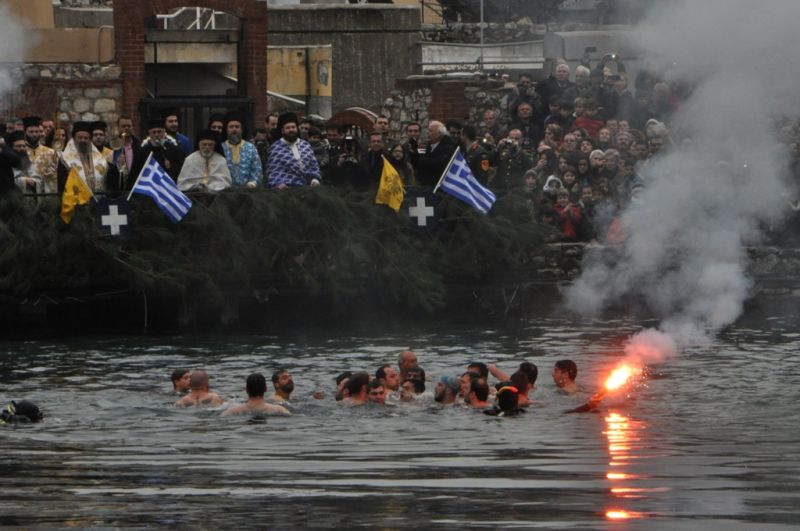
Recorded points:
(12, 47)
(723, 179)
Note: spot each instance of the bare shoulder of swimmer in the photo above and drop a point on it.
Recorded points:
(212, 399)
(273, 408)
(236, 410)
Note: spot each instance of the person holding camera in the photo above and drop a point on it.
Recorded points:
(512, 163)
(477, 154)
(524, 93)
(343, 167)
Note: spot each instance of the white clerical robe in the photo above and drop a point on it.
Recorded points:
(212, 172)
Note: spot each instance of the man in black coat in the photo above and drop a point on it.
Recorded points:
(430, 165)
(8, 161)
(165, 150)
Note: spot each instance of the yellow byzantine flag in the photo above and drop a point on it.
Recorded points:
(75, 193)
(390, 190)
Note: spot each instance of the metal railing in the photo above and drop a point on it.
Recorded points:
(197, 24)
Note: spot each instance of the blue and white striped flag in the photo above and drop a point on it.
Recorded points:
(459, 182)
(154, 182)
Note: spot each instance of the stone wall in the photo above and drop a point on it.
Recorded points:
(68, 92)
(499, 32)
(421, 99)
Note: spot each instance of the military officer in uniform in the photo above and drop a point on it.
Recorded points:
(478, 156)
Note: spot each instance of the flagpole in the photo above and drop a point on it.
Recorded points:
(150, 156)
(458, 148)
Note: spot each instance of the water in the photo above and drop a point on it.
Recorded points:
(710, 441)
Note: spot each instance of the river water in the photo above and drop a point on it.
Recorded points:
(710, 441)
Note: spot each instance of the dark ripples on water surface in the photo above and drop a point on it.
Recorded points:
(710, 442)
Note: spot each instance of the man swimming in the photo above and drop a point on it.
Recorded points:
(376, 393)
(447, 389)
(199, 394)
(478, 394)
(564, 374)
(284, 385)
(389, 378)
(180, 381)
(405, 361)
(256, 386)
(357, 390)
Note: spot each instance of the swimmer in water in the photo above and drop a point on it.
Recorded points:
(520, 380)
(507, 403)
(21, 412)
(376, 393)
(389, 377)
(180, 381)
(357, 388)
(256, 387)
(564, 374)
(341, 386)
(410, 389)
(405, 361)
(199, 394)
(283, 384)
(447, 389)
(478, 394)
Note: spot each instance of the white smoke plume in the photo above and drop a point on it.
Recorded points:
(712, 195)
(13, 42)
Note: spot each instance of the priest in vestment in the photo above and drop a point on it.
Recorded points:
(92, 166)
(206, 169)
(44, 160)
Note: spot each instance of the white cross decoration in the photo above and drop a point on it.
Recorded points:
(114, 220)
(421, 211)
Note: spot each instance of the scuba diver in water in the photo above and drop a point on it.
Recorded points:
(22, 412)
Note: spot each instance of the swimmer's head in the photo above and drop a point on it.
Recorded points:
(282, 381)
(520, 380)
(198, 381)
(447, 389)
(180, 379)
(406, 360)
(479, 369)
(508, 398)
(341, 385)
(256, 385)
(565, 372)
(531, 370)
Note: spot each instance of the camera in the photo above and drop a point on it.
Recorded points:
(348, 143)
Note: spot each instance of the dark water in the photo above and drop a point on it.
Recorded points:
(710, 442)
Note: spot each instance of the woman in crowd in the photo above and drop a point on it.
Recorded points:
(401, 162)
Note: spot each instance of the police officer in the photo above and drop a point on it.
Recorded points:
(477, 154)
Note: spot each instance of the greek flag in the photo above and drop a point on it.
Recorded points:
(459, 182)
(154, 182)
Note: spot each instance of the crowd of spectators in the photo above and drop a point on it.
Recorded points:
(575, 145)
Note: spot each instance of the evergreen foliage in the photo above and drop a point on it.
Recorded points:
(322, 245)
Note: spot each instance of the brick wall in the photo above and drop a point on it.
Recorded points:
(129, 18)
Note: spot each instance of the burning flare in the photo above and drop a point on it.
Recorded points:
(620, 376)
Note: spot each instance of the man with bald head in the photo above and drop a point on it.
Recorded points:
(405, 361)
(431, 161)
(199, 394)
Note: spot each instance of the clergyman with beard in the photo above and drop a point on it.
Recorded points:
(80, 154)
(206, 169)
(244, 163)
(44, 160)
(25, 176)
(164, 149)
(291, 159)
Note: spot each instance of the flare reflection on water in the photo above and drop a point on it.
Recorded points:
(623, 436)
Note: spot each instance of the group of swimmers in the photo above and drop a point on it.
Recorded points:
(388, 385)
